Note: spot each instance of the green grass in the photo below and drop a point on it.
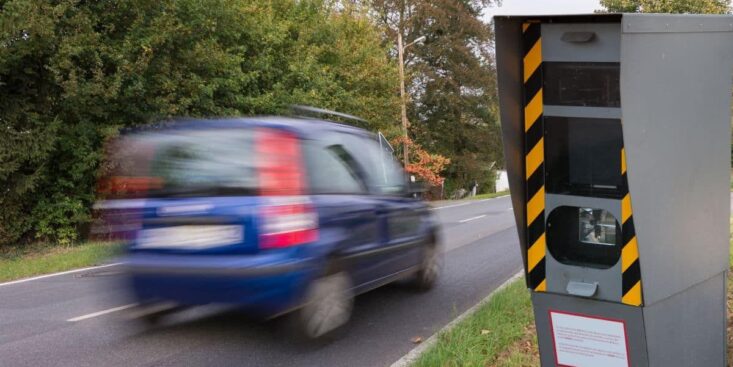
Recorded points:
(490, 195)
(17, 263)
(482, 337)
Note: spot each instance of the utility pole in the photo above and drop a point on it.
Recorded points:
(403, 96)
(403, 101)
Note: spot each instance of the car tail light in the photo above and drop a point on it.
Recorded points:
(289, 220)
(288, 224)
(280, 164)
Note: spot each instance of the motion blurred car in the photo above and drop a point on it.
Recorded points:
(278, 215)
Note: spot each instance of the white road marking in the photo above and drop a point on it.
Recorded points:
(100, 313)
(57, 274)
(472, 218)
(467, 203)
(454, 205)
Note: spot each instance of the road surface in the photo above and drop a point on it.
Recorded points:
(78, 319)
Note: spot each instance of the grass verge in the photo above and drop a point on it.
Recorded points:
(17, 263)
(490, 195)
(483, 337)
(501, 333)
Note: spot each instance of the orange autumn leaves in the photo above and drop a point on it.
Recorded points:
(423, 164)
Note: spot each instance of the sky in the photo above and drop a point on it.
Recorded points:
(535, 7)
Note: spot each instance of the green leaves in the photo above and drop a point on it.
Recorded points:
(452, 84)
(72, 73)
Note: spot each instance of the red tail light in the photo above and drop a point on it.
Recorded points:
(288, 224)
(287, 221)
(280, 172)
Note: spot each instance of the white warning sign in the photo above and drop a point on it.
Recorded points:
(586, 341)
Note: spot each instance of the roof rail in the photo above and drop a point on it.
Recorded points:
(309, 111)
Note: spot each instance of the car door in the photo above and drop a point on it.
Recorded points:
(349, 222)
(398, 214)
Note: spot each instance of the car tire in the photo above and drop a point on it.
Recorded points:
(429, 269)
(327, 308)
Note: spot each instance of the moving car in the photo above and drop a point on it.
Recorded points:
(278, 215)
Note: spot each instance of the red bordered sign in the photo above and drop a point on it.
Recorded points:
(588, 341)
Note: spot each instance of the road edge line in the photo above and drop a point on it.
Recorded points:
(496, 197)
(469, 201)
(413, 355)
(57, 274)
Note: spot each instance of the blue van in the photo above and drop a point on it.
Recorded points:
(278, 215)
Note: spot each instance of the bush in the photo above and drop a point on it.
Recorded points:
(73, 73)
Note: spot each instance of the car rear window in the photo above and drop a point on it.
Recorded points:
(181, 163)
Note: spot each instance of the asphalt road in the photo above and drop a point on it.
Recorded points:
(78, 319)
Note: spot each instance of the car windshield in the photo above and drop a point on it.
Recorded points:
(182, 163)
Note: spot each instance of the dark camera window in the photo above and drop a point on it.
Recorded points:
(590, 84)
(584, 237)
(583, 156)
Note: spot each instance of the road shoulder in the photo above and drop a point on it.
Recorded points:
(413, 357)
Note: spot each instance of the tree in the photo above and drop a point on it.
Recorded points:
(73, 72)
(668, 6)
(423, 164)
(452, 82)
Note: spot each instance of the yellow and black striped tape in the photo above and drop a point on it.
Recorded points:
(630, 269)
(534, 159)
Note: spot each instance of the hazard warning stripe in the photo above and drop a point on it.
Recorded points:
(630, 269)
(536, 252)
(534, 155)
(535, 158)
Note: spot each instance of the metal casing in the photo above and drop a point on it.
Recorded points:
(675, 113)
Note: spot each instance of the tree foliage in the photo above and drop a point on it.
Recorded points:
(452, 81)
(73, 72)
(668, 6)
(424, 164)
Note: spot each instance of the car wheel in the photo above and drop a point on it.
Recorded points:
(328, 305)
(429, 268)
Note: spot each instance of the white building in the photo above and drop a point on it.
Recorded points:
(502, 181)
